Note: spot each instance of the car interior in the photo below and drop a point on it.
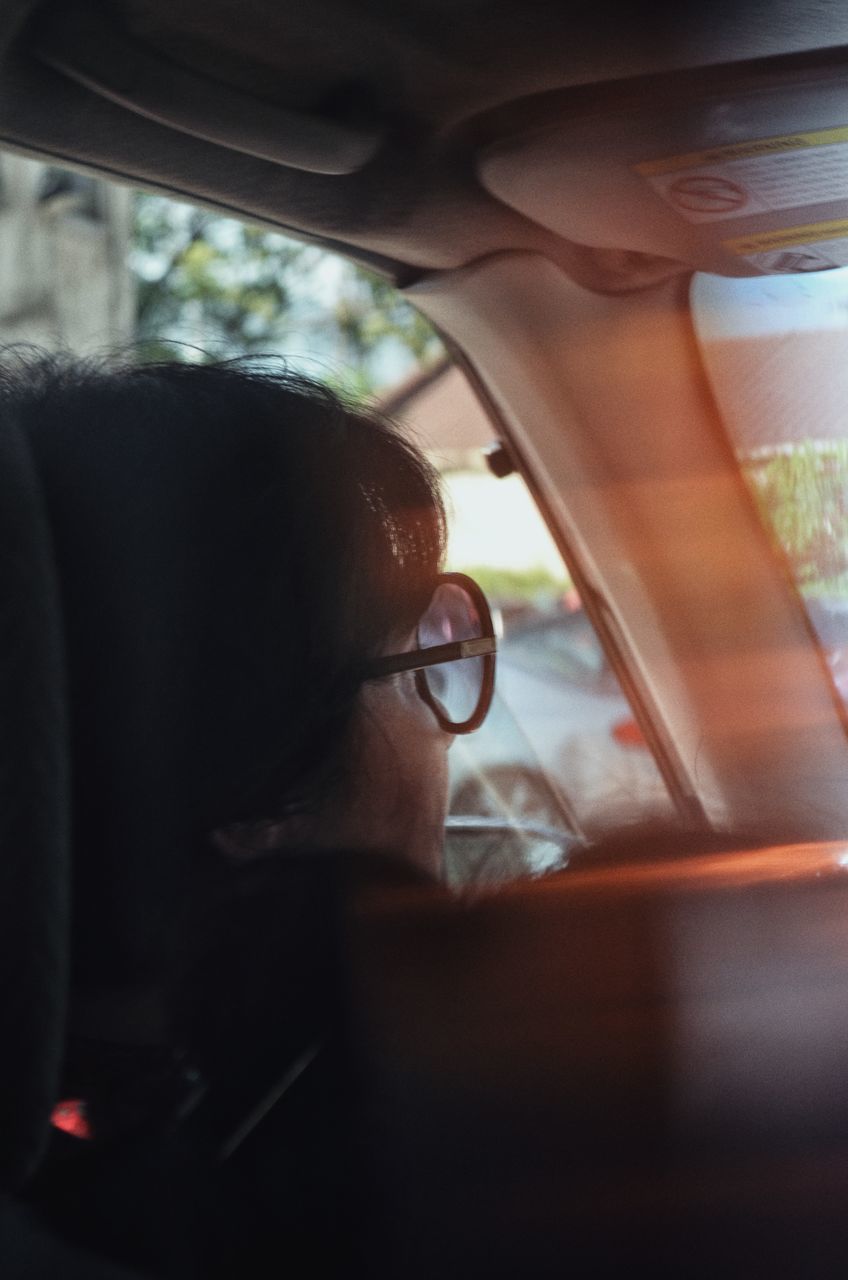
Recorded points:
(622, 219)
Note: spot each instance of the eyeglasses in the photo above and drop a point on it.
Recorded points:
(454, 663)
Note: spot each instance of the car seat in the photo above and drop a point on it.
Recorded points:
(144, 1191)
(34, 816)
(34, 867)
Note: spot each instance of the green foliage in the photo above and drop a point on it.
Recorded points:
(534, 585)
(225, 289)
(371, 310)
(803, 498)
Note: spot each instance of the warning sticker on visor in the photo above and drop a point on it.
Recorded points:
(815, 247)
(759, 176)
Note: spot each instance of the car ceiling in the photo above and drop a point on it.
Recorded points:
(358, 122)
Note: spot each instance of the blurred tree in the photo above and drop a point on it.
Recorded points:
(227, 289)
(802, 494)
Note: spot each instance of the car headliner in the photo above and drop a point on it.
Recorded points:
(357, 122)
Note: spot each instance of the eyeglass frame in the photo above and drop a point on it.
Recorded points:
(418, 660)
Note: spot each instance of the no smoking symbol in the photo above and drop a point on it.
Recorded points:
(706, 194)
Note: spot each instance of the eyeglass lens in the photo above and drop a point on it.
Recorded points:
(451, 616)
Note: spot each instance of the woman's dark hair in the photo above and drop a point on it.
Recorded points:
(233, 543)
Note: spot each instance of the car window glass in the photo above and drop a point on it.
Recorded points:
(774, 349)
(564, 645)
(560, 747)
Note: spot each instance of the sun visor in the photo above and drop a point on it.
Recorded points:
(747, 183)
(79, 42)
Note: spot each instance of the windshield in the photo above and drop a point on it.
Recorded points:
(775, 352)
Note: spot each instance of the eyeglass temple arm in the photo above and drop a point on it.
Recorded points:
(416, 659)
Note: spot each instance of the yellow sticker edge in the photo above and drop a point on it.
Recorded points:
(786, 237)
(743, 151)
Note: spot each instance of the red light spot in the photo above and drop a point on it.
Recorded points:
(69, 1116)
(628, 734)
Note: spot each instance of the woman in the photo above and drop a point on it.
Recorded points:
(236, 550)
(247, 570)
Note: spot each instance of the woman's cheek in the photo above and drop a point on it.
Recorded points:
(405, 761)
